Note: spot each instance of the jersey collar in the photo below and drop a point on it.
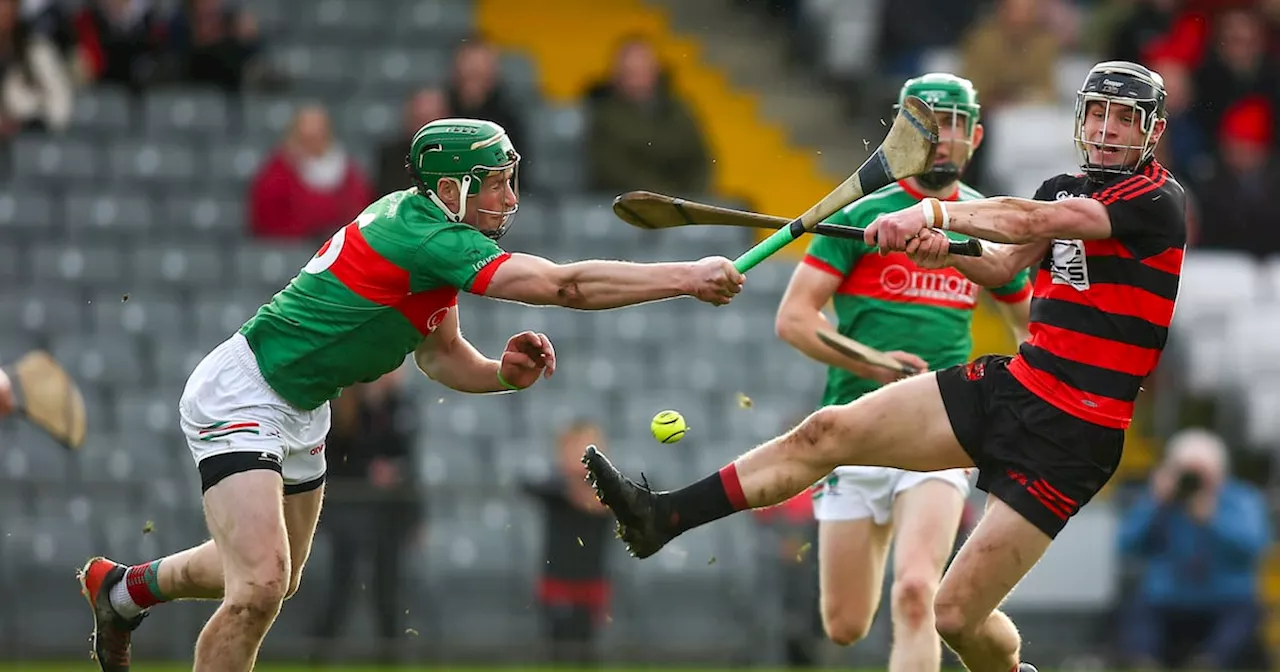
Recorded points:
(916, 194)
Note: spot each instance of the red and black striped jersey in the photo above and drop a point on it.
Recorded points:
(1101, 309)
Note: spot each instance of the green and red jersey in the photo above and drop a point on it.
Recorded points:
(889, 303)
(371, 294)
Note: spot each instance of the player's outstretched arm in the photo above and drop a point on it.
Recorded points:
(601, 285)
(451, 360)
(800, 317)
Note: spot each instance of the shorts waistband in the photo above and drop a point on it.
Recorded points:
(238, 347)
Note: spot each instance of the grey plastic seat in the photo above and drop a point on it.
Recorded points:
(143, 162)
(174, 362)
(233, 165)
(60, 158)
(76, 264)
(102, 108)
(368, 118)
(27, 214)
(113, 362)
(145, 313)
(318, 63)
(113, 215)
(268, 116)
(212, 217)
(444, 20)
(185, 112)
(224, 314)
(272, 265)
(401, 67)
(178, 266)
(46, 311)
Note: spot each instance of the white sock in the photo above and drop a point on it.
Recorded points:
(122, 602)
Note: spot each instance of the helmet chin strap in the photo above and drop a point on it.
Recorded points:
(462, 199)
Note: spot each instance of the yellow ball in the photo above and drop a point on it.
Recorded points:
(668, 427)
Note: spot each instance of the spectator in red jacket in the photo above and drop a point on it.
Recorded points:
(310, 186)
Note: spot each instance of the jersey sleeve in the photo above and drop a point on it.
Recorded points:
(838, 256)
(1048, 190)
(461, 257)
(1147, 213)
(1016, 290)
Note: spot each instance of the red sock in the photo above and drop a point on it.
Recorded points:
(712, 498)
(143, 583)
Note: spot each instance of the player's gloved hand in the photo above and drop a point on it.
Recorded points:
(930, 249)
(885, 376)
(715, 280)
(892, 231)
(528, 356)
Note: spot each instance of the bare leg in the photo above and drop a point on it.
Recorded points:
(903, 425)
(1003, 548)
(245, 513)
(927, 517)
(851, 558)
(196, 573)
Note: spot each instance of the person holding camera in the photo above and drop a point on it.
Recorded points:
(1201, 535)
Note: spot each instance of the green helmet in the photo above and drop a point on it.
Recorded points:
(464, 150)
(945, 92)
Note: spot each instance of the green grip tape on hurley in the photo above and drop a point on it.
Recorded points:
(767, 247)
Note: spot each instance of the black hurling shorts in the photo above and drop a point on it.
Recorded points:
(1044, 463)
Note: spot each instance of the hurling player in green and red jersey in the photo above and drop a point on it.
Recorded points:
(922, 318)
(255, 411)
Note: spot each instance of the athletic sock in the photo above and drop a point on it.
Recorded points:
(714, 497)
(138, 591)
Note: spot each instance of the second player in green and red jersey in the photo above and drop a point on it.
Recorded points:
(889, 303)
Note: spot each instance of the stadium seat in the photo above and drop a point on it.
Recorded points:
(1214, 285)
(114, 215)
(26, 214)
(202, 114)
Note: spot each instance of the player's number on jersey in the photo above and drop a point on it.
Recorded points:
(330, 251)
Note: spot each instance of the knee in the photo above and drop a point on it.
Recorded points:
(843, 627)
(814, 440)
(913, 600)
(256, 598)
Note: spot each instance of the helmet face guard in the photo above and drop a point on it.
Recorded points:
(464, 151)
(1119, 87)
(947, 93)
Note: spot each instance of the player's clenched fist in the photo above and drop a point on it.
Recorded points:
(931, 249)
(715, 280)
(528, 355)
(891, 232)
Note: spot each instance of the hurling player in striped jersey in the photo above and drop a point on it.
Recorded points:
(1045, 428)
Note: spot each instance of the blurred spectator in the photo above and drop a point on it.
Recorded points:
(1011, 56)
(1236, 197)
(121, 42)
(35, 85)
(310, 186)
(1182, 147)
(641, 135)
(214, 43)
(573, 587)
(51, 19)
(1202, 536)
(1134, 30)
(423, 107)
(476, 91)
(909, 28)
(1236, 66)
(372, 505)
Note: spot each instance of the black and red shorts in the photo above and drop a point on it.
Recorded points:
(1042, 462)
